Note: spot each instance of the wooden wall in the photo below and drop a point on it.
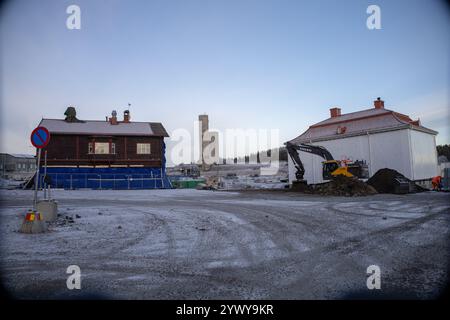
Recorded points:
(72, 150)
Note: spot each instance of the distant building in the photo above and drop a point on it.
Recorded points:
(108, 154)
(381, 137)
(17, 166)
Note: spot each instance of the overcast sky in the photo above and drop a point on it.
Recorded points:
(247, 63)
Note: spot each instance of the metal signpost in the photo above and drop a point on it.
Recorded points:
(40, 138)
(45, 175)
(33, 222)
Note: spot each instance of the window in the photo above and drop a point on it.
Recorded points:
(101, 148)
(143, 148)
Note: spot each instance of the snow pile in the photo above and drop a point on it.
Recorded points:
(9, 184)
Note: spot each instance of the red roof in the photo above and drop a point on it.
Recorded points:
(359, 123)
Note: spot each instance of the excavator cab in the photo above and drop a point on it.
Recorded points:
(328, 168)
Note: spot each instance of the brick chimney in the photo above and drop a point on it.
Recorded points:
(126, 116)
(379, 104)
(113, 119)
(335, 112)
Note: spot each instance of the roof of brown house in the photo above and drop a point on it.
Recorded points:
(358, 123)
(97, 127)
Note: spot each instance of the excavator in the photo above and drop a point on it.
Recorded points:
(330, 167)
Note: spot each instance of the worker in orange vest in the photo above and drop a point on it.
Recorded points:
(436, 183)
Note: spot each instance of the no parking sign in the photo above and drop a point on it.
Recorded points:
(40, 137)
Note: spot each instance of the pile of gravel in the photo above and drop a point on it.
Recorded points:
(342, 186)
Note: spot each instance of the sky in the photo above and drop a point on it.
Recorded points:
(247, 64)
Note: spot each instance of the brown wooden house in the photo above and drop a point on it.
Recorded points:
(111, 149)
(108, 143)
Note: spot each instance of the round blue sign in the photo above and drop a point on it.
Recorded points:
(40, 137)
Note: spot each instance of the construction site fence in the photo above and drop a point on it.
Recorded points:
(153, 179)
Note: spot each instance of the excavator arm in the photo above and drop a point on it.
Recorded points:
(293, 149)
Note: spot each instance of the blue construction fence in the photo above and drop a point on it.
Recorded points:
(106, 178)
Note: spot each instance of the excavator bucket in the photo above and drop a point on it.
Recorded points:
(299, 185)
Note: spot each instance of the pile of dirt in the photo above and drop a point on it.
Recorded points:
(391, 181)
(342, 186)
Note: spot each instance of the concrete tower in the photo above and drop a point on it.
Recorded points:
(204, 126)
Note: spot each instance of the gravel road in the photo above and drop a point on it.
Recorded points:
(191, 244)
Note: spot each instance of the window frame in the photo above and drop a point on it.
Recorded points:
(110, 147)
(141, 148)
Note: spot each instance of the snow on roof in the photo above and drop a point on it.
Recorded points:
(105, 128)
(359, 122)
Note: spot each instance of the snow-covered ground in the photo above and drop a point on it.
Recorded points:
(9, 184)
(192, 244)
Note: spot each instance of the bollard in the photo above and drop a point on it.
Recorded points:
(48, 209)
